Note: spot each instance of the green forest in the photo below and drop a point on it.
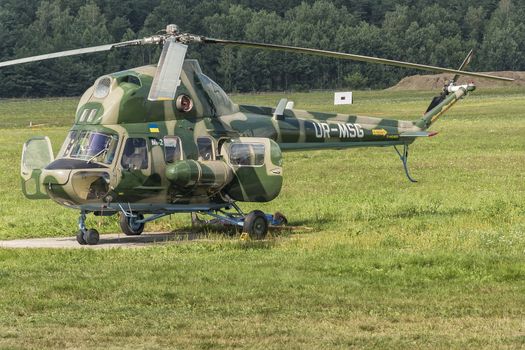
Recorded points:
(422, 31)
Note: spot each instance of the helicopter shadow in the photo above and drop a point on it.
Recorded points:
(148, 238)
(186, 235)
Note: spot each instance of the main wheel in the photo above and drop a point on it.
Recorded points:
(80, 237)
(91, 236)
(130, 226)
(256, 225)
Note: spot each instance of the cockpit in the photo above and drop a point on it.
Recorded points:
(91, 146)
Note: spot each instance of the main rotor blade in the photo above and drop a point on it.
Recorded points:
(167, 77)
(71, 52)
(464, 64)
(348, 56)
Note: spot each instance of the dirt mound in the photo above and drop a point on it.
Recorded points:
(436, 81)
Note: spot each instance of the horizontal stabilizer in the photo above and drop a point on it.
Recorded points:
(410, 134)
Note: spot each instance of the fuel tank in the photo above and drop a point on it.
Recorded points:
(211, 176)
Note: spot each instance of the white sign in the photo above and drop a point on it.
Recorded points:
(343, 98)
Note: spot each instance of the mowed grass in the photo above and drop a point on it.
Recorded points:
(386, 263)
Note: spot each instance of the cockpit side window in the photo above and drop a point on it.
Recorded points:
(135, 155)
(205, 146)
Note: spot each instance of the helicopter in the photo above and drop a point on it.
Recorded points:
(162, 139)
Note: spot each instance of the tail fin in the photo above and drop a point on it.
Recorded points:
(438, 107)
(440, 104)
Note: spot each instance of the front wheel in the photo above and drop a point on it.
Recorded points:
(130, 226)
(80, 237)
(256, 225)
(91, 236)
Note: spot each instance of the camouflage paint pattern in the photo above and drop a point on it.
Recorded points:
(121, 108)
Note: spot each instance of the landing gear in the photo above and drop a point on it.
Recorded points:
(132, 225)
(404, 158)
(255, 225)
(84, 235)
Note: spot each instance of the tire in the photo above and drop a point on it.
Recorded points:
(256, 225)
(128, 225)
(80, 237)
(91, 236)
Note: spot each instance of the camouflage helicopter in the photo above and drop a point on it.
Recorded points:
(157, 140)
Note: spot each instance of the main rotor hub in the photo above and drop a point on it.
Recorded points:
(172, 29)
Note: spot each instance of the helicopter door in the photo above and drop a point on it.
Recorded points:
(37, 153)
(257, 165)
(137, 180)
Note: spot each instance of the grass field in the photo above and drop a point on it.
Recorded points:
(387, 264)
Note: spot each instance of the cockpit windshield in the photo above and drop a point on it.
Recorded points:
(92, 146)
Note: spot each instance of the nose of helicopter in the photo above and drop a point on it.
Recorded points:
(55, 176)
(75, 186)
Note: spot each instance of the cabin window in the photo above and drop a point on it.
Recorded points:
(205, 146)
(172, 149)
(135, 155)
(247, 154)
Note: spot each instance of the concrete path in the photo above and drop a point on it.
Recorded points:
(114, 240)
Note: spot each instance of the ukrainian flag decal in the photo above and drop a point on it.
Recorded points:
(154, 128)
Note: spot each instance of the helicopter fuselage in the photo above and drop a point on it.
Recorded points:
(201, 150)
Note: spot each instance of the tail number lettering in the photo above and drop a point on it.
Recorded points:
(343, 131)
(350, 130)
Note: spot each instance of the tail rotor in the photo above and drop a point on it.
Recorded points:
(464, 65)
(446, 89)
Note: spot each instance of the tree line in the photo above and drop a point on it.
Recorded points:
(422, 31)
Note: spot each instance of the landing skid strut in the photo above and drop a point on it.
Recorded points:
(404, 159)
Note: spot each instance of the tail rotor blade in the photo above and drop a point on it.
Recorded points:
(464, 64)
(167, 77)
